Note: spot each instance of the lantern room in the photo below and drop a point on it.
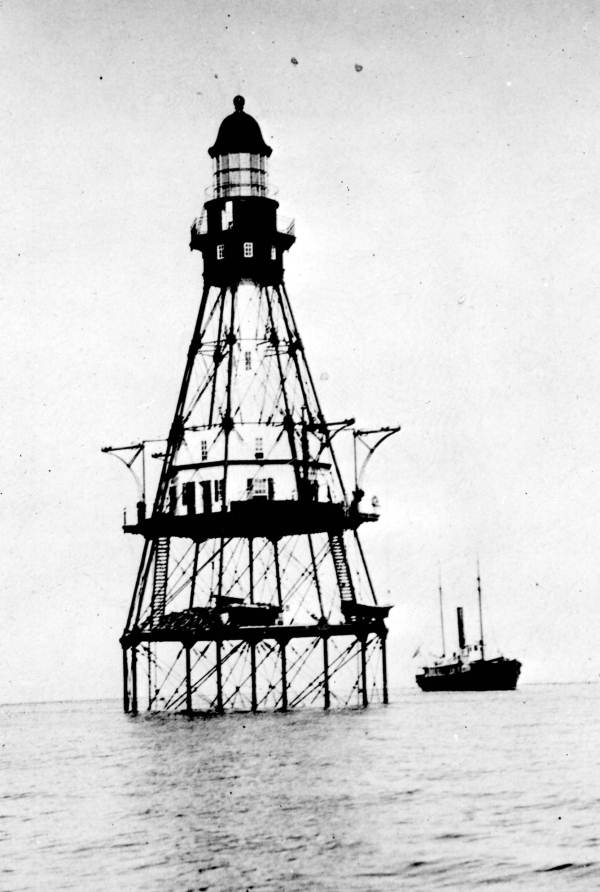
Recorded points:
(239, 156)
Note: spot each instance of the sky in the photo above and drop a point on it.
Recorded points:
(442, 163)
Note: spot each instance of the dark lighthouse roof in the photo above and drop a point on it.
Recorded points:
(239, 132)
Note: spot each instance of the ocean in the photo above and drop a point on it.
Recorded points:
(434, 791)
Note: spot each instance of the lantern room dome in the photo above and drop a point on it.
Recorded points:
(239, 133)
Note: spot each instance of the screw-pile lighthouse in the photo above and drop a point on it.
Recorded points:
(252, 590)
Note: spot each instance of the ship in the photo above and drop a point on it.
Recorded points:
(468, 669)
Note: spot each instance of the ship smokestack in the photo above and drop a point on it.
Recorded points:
(461, 628)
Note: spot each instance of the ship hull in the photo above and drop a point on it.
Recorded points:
(482, 675)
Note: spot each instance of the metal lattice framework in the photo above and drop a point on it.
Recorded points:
(252, 590)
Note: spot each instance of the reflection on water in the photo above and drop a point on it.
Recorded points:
(434, 791)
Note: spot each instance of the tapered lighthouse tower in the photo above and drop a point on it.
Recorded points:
(252, 591)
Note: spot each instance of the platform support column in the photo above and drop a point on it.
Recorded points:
(251, 568)
(384, 678)
(277, 572)
(315, 574)
(219, 667)
(363, 671)
(254, 703)
(284, 692)
(134, 698)
(125, 681)
(188, 679)
(326, 694)
(194, 574)
(149, 655)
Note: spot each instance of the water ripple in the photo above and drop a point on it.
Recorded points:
(434, 792)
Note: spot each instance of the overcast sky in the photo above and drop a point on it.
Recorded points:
(445, 277)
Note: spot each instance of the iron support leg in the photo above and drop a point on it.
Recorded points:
(254, 706)
(384, 678)
(125, 681)
(194, 574)
(188, 680)
(315, 574)
(134, 699)
(219, 678)
(277, 572)
(284, 693)
(251, 568)
(326, 698)
(149, 653)
(363, 671)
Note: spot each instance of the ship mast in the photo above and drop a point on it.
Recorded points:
(442, 614)
(481, 644)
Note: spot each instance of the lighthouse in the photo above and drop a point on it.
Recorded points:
(253, 590)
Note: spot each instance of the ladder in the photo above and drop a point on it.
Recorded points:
(342, 570)
(159, 589)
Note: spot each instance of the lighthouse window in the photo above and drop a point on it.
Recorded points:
(227, 216)
(220, 252)
(203, 450)
(258, 452)
(248, 249)
(248, 360)
(273, 253)
(260, 487)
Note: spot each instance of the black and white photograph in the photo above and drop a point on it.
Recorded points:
(300, 465)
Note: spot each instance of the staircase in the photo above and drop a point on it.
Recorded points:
(159, 590)
(342, 571)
